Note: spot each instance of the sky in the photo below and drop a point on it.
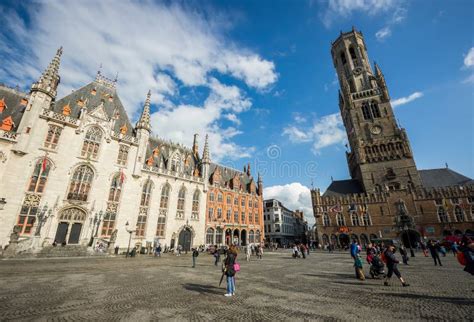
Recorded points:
(257, 76)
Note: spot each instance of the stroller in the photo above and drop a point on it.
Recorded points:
(377, 268)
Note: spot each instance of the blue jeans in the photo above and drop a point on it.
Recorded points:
(230, 285)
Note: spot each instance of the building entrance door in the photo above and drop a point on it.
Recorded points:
(61, 233)
(185, 239)
(75, 233)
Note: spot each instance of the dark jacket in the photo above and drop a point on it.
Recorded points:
(229, 264)
(390, 258)
(195, 253)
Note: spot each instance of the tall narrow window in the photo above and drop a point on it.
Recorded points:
(228, 215)
(28, 211)
(181, 200)
(52, 138)
(218, 235)
(122, 154)
(210, 214)
(228, 200)
(219, 197)
(366, 111)
(242, 202)
(195, 210)
(40, 176)
(160, 227)
(90, 148)
(112, 205)
(458, 212)
(366, 219)
(210, 236)
(352, 52)
(257, 237)
(326, 221)
(442, 215)
(176, 163)
(374, 108)
(355, 219)
(144, 208)
(340, 219)
(257, 218)
(80, 183)
(343, 58)
(236, 201)
(219, 213)
(236, 216)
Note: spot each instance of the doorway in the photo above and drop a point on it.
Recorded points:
(185, 239)
(71, 221)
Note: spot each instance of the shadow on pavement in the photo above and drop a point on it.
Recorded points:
(203, 289)
(453, 300)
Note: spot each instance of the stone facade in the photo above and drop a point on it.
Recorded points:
(387, 197)
(283, 226)
(76, 171)
(234, 207)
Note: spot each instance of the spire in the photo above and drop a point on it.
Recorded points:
(205, 153)
(144, 121)
(195, 145)
(248, 169)
(378, 72)
(49, 80)
(259, 178)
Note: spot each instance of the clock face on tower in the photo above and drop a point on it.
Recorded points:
(376, 130)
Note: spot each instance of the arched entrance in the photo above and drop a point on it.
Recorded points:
(373, 237)
(243, 238)
(354, 236)
(71, 221)
(344, 240)
(228, 237)
(185, 239)
(325, 240)
(334, 242)
(236, 237)
(364, 240)
(410, 238)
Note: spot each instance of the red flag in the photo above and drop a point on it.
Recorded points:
(43, 165)
(121, 176)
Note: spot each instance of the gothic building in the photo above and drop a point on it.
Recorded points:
(387, 196)
(75, 170)
(234, 207)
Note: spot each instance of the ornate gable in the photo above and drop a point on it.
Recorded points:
(99, 112)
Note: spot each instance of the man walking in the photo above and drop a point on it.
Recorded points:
(195, 255)
(392, 262)
(434, 252)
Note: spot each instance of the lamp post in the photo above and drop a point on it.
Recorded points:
(405, 222)
(97, 220)
(129, 238)
(2, 203)
(41, 218)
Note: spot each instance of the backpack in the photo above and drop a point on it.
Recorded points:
(461, 258)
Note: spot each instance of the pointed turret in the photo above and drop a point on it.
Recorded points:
(381, 81)
(248, 169)
(144, 121)
(205, 154)
(260, 185)
(196, 146)
(49, 80)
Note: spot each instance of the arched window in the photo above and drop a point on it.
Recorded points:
(355, 219)
(80, 183)
(52, 138)
(90, 148)
(442, 215)
(374, 108)
(160, 227)
(343, 58)
(218, 235)
(251, 236)
(228, 200)
(144, 207)
(366, 111)
(352, 53)
(459, 214)
(40, 176)
(195, 210)
(340, 219)
(219, 197)
(210, 236)
(181, 200)
(366, 221)
(228, 215)
(326, 220)
(219, 213)
(176, 163)
(115, 190)
(28, 211)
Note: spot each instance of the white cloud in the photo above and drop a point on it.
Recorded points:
(159, 46)
(325, 131)
(469, 58)
(383, 33)
(406, 99)
(299, 118)
(293, 196)
(345, 8)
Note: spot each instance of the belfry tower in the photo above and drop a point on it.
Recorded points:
(380, 156)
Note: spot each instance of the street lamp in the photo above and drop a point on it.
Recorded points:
(42, 217)
(2, 203)
(405, 222)
(97, 220)
(129, 238)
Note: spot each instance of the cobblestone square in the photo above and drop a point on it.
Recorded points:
(276, 288)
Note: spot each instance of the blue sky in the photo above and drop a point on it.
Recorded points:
(257, 76)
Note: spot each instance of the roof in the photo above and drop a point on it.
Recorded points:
(92, 95)
(14, 106)
(227, 174)
(443, 177)
(343, 187)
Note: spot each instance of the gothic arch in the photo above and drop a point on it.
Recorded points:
(41, 158)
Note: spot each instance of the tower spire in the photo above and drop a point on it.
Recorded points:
(205, 153)
(195, 145)
(144, 121)
(49, 80)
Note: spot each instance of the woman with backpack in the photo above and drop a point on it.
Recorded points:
(229, 270)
